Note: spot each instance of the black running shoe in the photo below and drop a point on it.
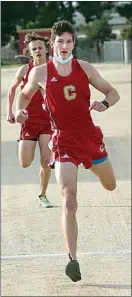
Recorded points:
(73, 271)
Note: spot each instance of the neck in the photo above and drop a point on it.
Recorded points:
(63, 70)
(39, 62)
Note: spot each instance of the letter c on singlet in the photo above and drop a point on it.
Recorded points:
(67, 92)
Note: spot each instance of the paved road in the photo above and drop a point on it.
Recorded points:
(33, 253)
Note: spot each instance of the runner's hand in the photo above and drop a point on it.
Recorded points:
(98, 106)
(21, 116)
(10, 117)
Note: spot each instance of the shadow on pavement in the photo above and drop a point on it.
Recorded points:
(115, 286)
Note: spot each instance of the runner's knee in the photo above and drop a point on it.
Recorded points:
(44, 161)
(44, 170)
(69, 202)
(110, 186)
(25, 163)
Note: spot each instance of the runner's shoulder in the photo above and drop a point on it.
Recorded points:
(84, 63)
(38, 73)
(87, 67)
(22, 70)
(39, 68)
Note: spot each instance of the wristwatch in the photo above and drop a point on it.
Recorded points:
(106, 104)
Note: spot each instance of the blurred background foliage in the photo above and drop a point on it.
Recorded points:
(96, 23)
(42, 14)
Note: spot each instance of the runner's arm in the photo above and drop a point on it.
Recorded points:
(37, 78)
(98, 82)
(11, 93)
(28, 91)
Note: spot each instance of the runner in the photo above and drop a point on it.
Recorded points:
(37, 127)
(76, 139)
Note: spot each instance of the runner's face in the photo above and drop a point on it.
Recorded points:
(37, 50)
(63, 45)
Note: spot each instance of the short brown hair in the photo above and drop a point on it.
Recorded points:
(61, 27)
(32, 37)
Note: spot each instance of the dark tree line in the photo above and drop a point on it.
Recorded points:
(42, 14)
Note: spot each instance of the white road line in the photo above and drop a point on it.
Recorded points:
(25, 256)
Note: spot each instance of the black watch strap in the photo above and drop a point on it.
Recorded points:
(106, 104)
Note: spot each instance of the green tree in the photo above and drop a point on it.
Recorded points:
(125, 10)
(126, 33)
(15, 13)
(93, 9)
(97, 32)
(55, 10)
(32, 14)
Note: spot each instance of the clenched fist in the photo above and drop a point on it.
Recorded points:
(10, 117)
(21, 116)
(97, 105)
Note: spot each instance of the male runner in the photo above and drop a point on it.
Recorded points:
(37, 127)
(75, 139)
